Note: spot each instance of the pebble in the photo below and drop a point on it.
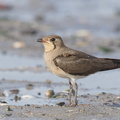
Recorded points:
(39, 93)
(27, 104)
(8, 114)
(29, 86)
(49, 93)
(2, 103)
(14, 91)
(27, 97)
(61, 104)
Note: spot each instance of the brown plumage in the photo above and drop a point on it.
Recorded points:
(72, 64)
(77, 65)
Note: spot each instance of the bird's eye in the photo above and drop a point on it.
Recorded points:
(52, 39)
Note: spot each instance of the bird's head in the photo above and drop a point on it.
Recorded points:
(51, 42)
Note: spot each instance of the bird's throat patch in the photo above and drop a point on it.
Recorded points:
(49, 47)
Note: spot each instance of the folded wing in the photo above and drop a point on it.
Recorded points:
(76, 65)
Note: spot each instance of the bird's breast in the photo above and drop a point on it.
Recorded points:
(53, 68)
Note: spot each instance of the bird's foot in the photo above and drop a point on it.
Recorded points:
(76, 102)
(72, 104)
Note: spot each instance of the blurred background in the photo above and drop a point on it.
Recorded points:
(92, 26)
(88, 25)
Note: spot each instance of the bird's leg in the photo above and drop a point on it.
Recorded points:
(70, 93)
(76, 92)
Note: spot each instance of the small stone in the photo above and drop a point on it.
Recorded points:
(84, 96)
(57, 119)
(108, 104)
(39, 93)
(27, 97)
(27, 104)
(14, 91)
(8, 114)
(97, 96)
(49, 93)
(61, 104)
(29, 86)
(3, 102)
(110, 101)
(103, 93)
(43, 114)
(37, 107)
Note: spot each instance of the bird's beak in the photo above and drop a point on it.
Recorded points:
(39, 40)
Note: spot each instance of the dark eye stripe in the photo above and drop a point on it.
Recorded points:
(52, 39)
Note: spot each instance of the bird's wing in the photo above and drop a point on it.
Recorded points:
(76, 65)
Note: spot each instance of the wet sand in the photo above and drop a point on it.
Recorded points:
(103, 106)
(83, 112)
(24, 78)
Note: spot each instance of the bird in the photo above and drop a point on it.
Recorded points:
(72, 64)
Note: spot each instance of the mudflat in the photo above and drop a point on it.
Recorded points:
(24, 79)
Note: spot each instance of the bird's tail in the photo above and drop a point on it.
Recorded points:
(111, 64)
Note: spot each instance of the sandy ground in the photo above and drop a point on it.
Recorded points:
(103, 106)
(95, 32)
(81, 112)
